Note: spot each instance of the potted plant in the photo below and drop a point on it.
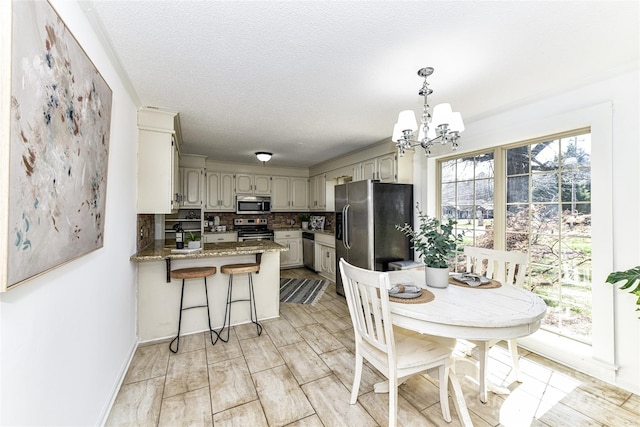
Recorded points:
(304, 219)
(630, 277)
(436, 242)
(193, 240)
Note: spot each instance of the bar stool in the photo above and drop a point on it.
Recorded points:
(232, 269)
(192, 273)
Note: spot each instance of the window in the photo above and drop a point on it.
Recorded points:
(466, 194)
(545, 211)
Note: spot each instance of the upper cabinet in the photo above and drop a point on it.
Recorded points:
(219, 191)
(382, 168)
(318, 192)
(159, 138)
(257, 185)
(289, 193)
(192, 179)
(192, 187)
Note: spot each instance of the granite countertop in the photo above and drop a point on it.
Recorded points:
(160, 251)
(330, 232)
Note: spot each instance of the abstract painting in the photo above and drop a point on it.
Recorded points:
(59, 146)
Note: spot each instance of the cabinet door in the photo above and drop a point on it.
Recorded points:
(328, 262)
(212, 191)
(284, 255)
(331, 268)
(295, 251)
(280, 193)
(317, 192)
(368, 168)
(175, 170)
(244, 183)
(156, 178)
(192, 187)
(321, 192)
(262, 185)
(312, 192)
(227, 195)
(386, 168)
(299, 194)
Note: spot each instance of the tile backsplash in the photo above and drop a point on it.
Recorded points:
(145, 230)
(276, 220)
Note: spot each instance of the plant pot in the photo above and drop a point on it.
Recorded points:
(194, 244)
(305, 225)
(436, 277)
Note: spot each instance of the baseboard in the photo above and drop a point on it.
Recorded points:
(104, 414)
(167, 339)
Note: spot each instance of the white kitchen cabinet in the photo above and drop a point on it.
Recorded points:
(318, 192)
(158, 183)
(382, 168)
(192, 187)
(325, 255)
(219, 192)
(280, 193)
(299, 194)
(328, 263)
(257, 185)
(289, 193)
(220, 237)
(293, 241)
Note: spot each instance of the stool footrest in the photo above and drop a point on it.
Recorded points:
(232, 269)
(193, 273)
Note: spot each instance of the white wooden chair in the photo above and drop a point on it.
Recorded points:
(396, 352)
(509, 268)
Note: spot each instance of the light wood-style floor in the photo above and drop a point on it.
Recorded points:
(300, 370)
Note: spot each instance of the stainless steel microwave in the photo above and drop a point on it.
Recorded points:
(253, 205)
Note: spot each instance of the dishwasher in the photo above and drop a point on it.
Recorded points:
(308, 250)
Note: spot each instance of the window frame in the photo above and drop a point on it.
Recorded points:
(598, 358)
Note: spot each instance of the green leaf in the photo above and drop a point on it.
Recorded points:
(630, 277)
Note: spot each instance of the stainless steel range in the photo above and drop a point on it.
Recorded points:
(252, 229)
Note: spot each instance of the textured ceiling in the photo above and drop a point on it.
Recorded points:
(312, 80)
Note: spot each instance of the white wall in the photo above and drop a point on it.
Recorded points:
(67, 336)
(614, 104)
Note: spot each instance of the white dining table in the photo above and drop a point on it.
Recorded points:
(462, 312)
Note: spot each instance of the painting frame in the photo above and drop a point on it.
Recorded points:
(56, 115)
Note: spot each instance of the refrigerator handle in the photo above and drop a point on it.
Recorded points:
(345, 227)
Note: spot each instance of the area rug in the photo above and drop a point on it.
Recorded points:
(302, 291)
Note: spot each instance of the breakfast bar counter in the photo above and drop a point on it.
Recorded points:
(159, 299)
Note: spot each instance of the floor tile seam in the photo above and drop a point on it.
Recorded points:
(299, 387)
(266, 369)
(587, 389)
(144, 379)
(209, 387)
(328, 374)
(188, 391)
(595, 421)
(240, 404)
(628, 400)
(628, 415)
(339, 382)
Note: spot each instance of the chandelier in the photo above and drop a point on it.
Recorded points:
(445, 125)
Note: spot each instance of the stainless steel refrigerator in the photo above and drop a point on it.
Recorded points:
(366, 216)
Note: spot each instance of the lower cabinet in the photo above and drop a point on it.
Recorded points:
(293, 241)
(325, 256)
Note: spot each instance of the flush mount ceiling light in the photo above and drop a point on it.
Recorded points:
(445, 125)
(263, 156)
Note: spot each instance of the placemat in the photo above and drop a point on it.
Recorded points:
(424, 298)
(493, 284)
